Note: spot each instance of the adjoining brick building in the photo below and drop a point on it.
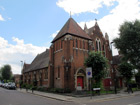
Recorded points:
(62, 66)
(17, 79)
(37, 70)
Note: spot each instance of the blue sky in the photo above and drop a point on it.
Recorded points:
(35, 20)
(31, 20)
(27, 27)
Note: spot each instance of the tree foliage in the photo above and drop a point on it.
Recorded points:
(128, 42)
(6, 72)
(126, 70)
(98, 63)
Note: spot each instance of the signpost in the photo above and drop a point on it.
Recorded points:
(89, 72)
(89, 76)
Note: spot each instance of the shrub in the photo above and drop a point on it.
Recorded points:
(59, 90)
(27, 86)
(67, 90)
(5, 81)
(23, 85)
(40, 88)
(34, 87)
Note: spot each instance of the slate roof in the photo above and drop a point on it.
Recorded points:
(25, 67)
(41, 61)
(117, 59)
(17, 75)
(71, 27)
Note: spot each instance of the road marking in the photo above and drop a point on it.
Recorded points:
(135, 103)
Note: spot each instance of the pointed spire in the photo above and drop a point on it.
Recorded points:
(70, 14)
(106, 36)
(96, 21)
(86, 29)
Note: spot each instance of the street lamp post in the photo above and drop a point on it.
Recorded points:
(114, 72)
(21, 66)
(21, 77)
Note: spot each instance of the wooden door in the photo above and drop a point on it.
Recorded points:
(80, 81)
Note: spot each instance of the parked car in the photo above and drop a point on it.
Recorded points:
(5, 85)
(1, 84)
(11, 85)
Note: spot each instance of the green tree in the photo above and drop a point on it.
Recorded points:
(98, 63)
(126, 71)
(6, 72)
(128, 42)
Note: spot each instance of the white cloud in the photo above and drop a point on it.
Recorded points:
(13, 54)
(126, 10)
(54, 34)
(9, 18)
(3, 42)
(80, 6)
(2, 8)
(1, 18)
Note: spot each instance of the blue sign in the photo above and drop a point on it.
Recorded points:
(89, 72)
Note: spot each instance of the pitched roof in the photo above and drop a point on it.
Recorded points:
(95, 30)
(71, 27)
(25, 67)
(41, 61)
(17, 75)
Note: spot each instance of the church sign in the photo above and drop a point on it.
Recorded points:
(89, 72)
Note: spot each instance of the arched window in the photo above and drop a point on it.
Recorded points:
(73, 42)
(76, 43)
(58, 72)
(104, 51)
(80, 44)
(46, 73)
(61, 44)
(98, 44)
(83, 45)
(56, 46)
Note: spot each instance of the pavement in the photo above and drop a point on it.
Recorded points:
(81, 99)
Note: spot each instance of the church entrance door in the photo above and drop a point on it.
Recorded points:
(80, 81)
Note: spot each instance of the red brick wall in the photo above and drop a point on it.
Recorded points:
(40, 77)
(68, 56)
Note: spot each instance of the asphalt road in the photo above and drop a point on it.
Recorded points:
(13, 97)
(128, 100)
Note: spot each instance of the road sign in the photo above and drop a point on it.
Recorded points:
(89, 72)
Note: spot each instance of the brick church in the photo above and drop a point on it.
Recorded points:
(62, 66)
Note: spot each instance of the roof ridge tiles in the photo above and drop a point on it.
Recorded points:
(40, 61)
(72, 28)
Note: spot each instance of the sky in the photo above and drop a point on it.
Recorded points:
(27, 27)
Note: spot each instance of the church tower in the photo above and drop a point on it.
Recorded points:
(68, 50)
